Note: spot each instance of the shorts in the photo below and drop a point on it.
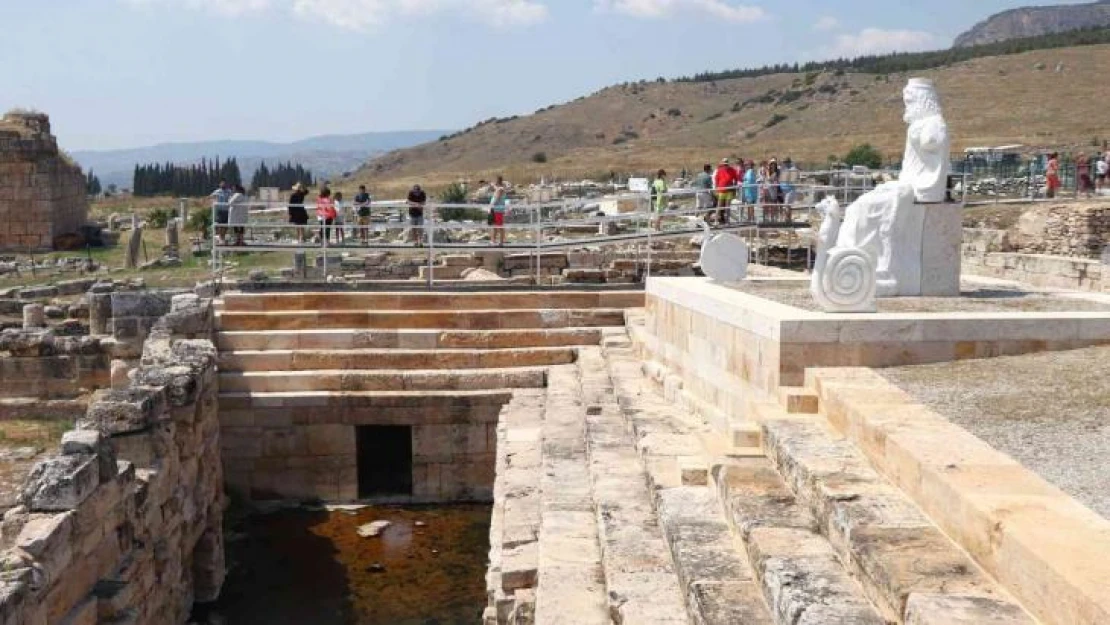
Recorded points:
(498, 219)
(724, 198)
(298, 216)
(222, 215)
(364, 221)
(704, 200)
(416, 220)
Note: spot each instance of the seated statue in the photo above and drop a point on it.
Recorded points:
(885, 224)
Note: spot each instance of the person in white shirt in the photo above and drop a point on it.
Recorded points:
(1102, 172)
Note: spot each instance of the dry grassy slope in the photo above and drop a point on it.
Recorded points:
(988, 101)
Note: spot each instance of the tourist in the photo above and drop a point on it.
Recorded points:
(362, 210)
(1052, 175)
(1083, 176)
(659, 198)
(417, 200)
(497, 203)
(773, 190)
(220, 198)
(1102, 172)
(789, 185)
(703, 185)
(238, 211)
(298, 215)
(325, 214)
(751, 190)
(340, 217)
(726, 182)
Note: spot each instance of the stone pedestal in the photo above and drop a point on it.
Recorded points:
(941, 239)
(34, 316)
(925, 241)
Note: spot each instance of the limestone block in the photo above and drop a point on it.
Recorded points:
(120, 412)
(941, 238)
(34, 316)
(61, 483)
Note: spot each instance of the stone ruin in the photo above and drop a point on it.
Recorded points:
(42, 192)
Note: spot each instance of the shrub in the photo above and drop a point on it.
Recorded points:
(674, 112)
(200, 221)
(714, 116)
(539, 157)
(865, 155)
(736, 107)
(775, 120)
(811, 78)
(159, 217)
(453, 194)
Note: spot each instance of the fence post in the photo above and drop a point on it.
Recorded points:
(327, 235)
(430, 234)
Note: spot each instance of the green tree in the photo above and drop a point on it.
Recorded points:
(865, 155)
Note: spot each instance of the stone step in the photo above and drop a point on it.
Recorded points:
(359, 407)
(407, 339)
(639, 575)
(889, 546)
(424, 301)
(383, 380)
(798, 400)
(515, 518)
(800, 576)
(570, 581)
(714, 578)
(492, 319)
(376, 359)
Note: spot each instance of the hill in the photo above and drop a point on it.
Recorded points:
(1033, 21)
(1053, 97)
(328, 155)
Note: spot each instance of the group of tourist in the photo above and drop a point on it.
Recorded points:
(1092, 174)
(334, 215)
(746, 184)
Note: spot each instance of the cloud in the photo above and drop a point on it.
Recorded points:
(223, 7)
(877, 41)
(826, 24)
(652, 9)
(365, 14)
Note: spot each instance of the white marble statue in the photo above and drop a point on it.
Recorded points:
(843, 278)
(886, 223)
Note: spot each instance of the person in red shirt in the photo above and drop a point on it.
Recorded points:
(1052, 175)
(725, 181)
(325, 212)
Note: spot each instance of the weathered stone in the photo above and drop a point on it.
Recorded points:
(61, 483)
(120, 412)
(33, 316)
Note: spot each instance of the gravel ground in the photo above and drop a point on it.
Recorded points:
(973, 298)
(1050, 411)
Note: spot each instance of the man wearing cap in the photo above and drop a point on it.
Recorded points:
(725, 180)
(417, 199)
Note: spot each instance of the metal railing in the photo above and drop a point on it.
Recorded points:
(530, 228)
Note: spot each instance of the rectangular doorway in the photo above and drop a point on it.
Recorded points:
(384, 460)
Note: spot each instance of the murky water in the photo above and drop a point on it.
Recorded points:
(301, 567)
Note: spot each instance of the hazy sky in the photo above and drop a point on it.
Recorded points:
(123, 73)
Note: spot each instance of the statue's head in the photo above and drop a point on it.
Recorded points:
(920, 96)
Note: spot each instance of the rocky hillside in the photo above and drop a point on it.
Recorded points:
(1044, 98)
(1034, 21)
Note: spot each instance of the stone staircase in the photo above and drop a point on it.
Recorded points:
(299, 372)
(618, 506)
(799, 530)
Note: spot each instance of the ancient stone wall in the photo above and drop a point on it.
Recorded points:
(304, 446)
(1075, 230)
(42, 192)
(124, 523)
(37, 363)
(991, 253)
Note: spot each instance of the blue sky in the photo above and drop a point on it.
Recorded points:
(125, 73)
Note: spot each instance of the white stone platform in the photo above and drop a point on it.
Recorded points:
(729, 346)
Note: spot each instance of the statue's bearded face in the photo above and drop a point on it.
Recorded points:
(920, 103)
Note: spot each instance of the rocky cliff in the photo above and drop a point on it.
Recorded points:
(1033, 21)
